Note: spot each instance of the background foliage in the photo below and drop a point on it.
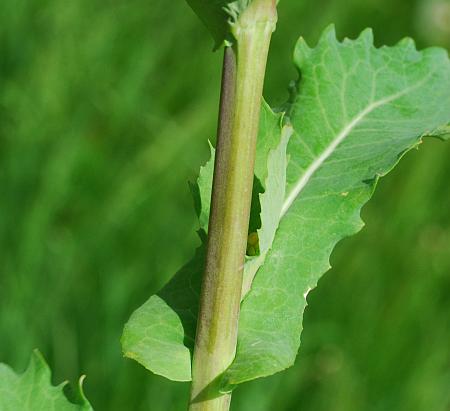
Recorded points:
(105, 108)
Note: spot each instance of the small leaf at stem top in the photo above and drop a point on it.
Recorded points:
(219, 15)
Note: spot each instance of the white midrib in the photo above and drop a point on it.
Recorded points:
(345, 132)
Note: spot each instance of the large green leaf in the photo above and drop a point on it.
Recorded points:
(355, 111)
(32, 390)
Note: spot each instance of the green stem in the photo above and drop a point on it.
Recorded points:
(242, 84)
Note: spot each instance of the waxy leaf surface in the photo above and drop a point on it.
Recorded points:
(355, 111)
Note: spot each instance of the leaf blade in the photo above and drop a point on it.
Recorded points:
(357, 111)
(32, 390)
(219, 16)
(324, 203)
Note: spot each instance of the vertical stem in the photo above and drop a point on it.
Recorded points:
(242, 84)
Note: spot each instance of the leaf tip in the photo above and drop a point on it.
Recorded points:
(81, 388)
(329, 34)
(38, 365)
(302, 51)
(367, 36)
(37, 356)
(408, 44)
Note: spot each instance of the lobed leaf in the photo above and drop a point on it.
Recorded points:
(355, 111)
(358, 109)
(32, 390)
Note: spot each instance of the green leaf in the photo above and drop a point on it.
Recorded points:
(32, 390)
(358, 110)
(160, 334)
(355, 111)
(220, 15)
(271, 201)
(201, 192)
(214, 16)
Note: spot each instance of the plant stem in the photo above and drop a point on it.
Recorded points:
(242, 83)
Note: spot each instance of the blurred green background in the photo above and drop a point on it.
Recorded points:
(105, 111)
